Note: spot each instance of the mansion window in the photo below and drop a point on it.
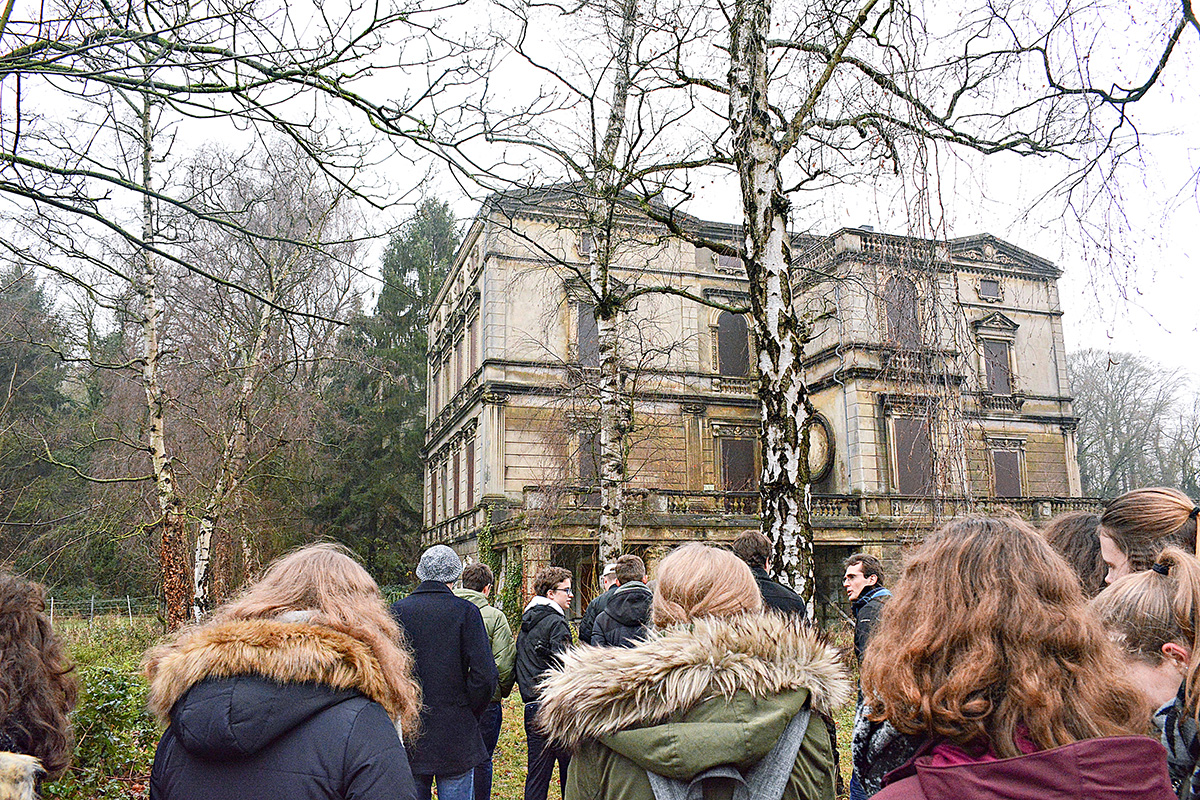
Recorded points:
(903, 323)
(738, 470)
(589, 458)
(433, 487)
(733, 345)
(457, 482)
(728, 262)
(989, 289)
(1006, 471)
(470, 473)
(586, 244)
(913, 451)
(588, 334)
(997, 366)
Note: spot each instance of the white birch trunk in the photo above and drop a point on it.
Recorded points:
(173, 561)
(782, 391)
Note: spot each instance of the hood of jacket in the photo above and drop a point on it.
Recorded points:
(630, 604)
(280, 652)
(535, 612)
(478, 598)
(740, 679)
(869, 594)
(1113, 768)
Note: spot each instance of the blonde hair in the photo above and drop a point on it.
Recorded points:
(1158, 606)
(696, 580)
(1144, 521)
(326, 580)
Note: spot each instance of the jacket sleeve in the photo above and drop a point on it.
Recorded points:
(504, 650)
(586, 625)
(598, 631)
(864, 626)
(376, 766)
(479, 669)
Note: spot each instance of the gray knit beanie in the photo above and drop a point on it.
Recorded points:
(439, 563)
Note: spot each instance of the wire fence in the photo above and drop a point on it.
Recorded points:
(91, 607)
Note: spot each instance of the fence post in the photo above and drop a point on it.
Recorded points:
(129, 606)
(92, 612)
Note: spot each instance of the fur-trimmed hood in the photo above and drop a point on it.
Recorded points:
(600, 691)
(282, 652)
(18, 776)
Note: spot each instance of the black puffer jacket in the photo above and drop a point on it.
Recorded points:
(588, 622)
(543, 636)
(293, 724)
(626, 618)
(776, 596)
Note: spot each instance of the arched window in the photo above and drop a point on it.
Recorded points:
(900, 299)
(733, 345)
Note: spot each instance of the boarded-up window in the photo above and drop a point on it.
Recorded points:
(589, 335)
(1006, 465)
(914, 455)
(442, 509)
(433, 487)
(435, 401)
(458, 366)
(471, 473)
(457, 482)
(733, 345)
(737, 465)
(589, 458)
(989, 288)
(474, 334)
(900, 299)
(732, 262)
(586, 244)
(995, 360)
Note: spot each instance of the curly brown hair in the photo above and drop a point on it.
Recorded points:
(37, 681)
(988, 630)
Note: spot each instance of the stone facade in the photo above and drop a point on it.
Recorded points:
(938, 370)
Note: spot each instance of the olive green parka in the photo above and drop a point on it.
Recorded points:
(710, 693)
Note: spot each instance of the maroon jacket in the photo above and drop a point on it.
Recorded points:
(1115, 768)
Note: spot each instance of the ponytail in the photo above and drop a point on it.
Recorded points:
(1158, 606)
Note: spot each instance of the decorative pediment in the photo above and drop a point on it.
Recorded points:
(995, 324)
(985, 252)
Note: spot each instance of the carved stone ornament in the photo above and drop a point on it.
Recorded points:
(694, 408)
(820, 449)
(494, 398)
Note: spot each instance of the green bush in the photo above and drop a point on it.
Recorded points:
(115, 734)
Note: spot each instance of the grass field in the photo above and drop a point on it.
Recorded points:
(116, 737)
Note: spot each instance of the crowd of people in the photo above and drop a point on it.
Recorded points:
(1003, 662)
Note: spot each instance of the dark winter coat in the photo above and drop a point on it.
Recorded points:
(712, 693)
(544, 635)
(457, 674)
(626, 618)
(1113, 768)
(261, 709)
(776, 596)
(867, 610)
(588, 622)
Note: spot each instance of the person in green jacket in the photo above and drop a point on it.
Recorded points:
(721, 697)
(477, 583)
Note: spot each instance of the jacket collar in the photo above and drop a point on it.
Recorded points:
(866, 596)
(285, 652)
(542, 600)
(434, 587)
(598, 691)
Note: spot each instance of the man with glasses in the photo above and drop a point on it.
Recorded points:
(543, 636)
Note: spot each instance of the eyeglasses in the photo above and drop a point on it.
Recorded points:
(560, 589)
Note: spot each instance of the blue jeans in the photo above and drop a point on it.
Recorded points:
(489, 726)
(450, 787)
(856, 790)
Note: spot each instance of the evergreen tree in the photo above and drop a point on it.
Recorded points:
(371, 489)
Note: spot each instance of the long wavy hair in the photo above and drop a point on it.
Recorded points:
(696, 580)
(1148, 609)
(988, 631)
(1144, 521)
(326, 580)
(37, 681)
